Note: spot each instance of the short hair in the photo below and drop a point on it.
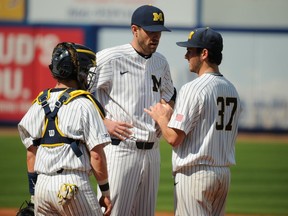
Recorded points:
(213, 57)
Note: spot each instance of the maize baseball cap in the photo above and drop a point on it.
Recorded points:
(204, 38)
(149, 18)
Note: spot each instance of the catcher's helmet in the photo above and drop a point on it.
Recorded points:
(72, 61)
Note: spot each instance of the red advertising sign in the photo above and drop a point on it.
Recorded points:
(25, 54)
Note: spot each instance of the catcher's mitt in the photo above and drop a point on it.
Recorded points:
(26, 209)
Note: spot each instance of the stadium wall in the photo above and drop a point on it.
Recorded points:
(254, 57)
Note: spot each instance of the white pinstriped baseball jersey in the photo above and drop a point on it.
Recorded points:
(207, 109)
(127, 83)
(79, 119)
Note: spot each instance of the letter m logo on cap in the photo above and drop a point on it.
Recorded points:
(157, 17)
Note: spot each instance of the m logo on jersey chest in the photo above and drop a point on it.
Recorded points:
(156, 83)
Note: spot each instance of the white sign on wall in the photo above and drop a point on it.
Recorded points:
(245, 13)
(106, 12)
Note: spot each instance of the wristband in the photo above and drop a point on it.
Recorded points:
(104, 187)
(32, 179)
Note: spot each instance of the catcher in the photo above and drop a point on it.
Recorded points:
(64, 134)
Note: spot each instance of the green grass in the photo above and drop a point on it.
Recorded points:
(13, 177)
(260, 179)
(259, 183)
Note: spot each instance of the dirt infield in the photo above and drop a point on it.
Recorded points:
(8, 212)
(8, 131)
(262, 137)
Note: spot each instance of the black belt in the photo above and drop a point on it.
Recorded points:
(140, 145)
(60, 171)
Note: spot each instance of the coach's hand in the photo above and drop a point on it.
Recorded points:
(120, 130)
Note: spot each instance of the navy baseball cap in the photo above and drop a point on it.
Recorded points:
(149, 18)
(204, 38)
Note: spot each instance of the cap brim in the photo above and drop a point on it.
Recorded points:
(187, 44)
(155, 28)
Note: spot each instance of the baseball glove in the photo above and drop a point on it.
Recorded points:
(26, 209)
(66, 193)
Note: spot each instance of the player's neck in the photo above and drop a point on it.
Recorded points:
(66, 84)
(209, 69)
(140, 51)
